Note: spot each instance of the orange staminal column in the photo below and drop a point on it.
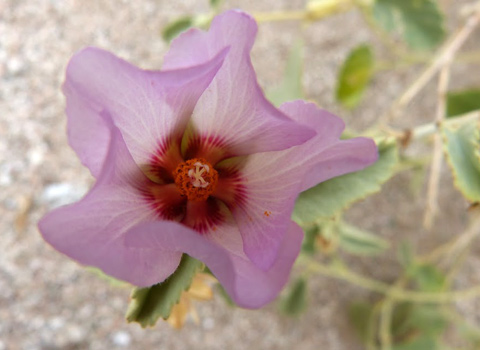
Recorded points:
(196, 179)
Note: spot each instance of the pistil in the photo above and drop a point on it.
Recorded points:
(196, 179)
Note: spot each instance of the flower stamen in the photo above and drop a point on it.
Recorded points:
(196, 179)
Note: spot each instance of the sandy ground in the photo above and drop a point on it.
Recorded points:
(48, 302)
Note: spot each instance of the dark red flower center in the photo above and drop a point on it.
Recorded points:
(196, 186)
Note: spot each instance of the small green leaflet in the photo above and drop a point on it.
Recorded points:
(354, 76)
(400, 325)
(148, 304)
(469, 332)
(418, 326)
(360, 242)
(420, 21)
(413, 326)
(360, 313)
(428, 278)
(462, 102)
(462, 147)
(332, 196)
(223, 293)
(429, 322)
(215, 4)
(296, 300)
(291, 86)
(420, 343)
(112, 280)
(173, 29)
(405, 254)
(308, 245)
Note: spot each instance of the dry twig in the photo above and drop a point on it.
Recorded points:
(445, 54)
(435, 170)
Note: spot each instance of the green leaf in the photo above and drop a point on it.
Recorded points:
(360, 242)
(359, 314)
(428, 278)
(430, 320)
(295, 302)
(112, 280)
(291, 86)
(147, 305)
(420, 21)
(462, 147)
(173, 29)
(224, 295)
(405, 254)
(461, 102)
(354, 76)
(418, 321)
(215, 3)
(420, 343)
(330, 197)
(401, 318)
(308, 244)
(469, 332)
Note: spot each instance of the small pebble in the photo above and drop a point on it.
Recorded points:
(58, 194)
(208, 323)
(121, 338)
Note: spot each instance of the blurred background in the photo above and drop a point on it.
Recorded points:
(48, 302)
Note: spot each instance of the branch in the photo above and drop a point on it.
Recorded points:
(393, 292)
(424, 130)
(435, 170)
(464, 240)
(444, 54)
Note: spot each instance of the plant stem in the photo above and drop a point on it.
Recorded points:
(464, 240)
(372, 327)
(428, 129)
(314, 11)
(386, 323)
(405, 61)
(396, 293)
(261, 17)
(435, 170)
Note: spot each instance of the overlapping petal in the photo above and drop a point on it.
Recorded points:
(91, 230)
(326, 156)
(222, 252)
(272, 181)
(270, 184)
(234, 97)
(341, 158)
(148, 107)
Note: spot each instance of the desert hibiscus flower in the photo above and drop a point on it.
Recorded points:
(193, 159)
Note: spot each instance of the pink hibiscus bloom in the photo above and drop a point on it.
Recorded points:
(193, 159)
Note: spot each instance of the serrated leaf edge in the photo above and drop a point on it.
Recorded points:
(449, 160)
(348, 204)
(379, 184)
(149, 322)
